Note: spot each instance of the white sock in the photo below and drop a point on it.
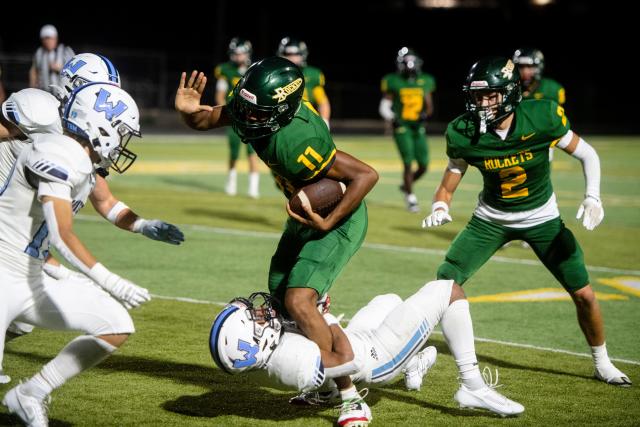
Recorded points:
(599, 354)
(349, 393)
(80, 354)
(232, 182)
(457, 329)
(254, 184)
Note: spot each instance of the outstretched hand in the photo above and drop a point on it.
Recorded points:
(189, 93)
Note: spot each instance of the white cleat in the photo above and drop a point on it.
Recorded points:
(355, 413)
(487, 398)
(612, 375)
(31, 411)
(417, 367)
(412, 203)
(4, 378)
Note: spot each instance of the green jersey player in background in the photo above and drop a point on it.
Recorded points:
(407, 102)
(530, 64)
(508, 141)
(266, 110)
(228, 74)
(297, 52)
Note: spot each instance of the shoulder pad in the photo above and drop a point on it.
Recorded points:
(33, 111)
(58, 158)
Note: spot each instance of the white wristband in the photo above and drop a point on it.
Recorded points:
(99, 274)
(439, 205)
(113, 214)
(136, 227)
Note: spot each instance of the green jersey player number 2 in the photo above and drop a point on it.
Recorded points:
(507, 140)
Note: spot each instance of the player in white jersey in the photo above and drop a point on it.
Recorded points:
(382, 341)
(50, 181)
(34, 111)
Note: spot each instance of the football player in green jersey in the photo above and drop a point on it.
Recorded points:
(297, 52)
(530, 64)
(228, 74)
(406, 102)
(508, 141)
(266, 110)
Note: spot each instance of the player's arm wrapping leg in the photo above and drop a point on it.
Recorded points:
(341, 361)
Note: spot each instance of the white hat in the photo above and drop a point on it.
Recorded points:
(48, 31)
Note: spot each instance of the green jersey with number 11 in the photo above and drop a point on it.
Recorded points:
(299, 153)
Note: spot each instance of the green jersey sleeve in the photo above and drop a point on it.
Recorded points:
(429, 84)
(309, 159)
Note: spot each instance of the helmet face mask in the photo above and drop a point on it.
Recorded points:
(107, 117)
(492, 91)
(266, 98)
(245, 333)
(294, 50)
(408, 62)
(528, 57)
(240, 51)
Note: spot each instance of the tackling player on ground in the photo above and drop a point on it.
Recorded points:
(383, 339)
(508, 141)
(266, 110)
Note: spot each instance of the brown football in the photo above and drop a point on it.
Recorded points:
(323, 196)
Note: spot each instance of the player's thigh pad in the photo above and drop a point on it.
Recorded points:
(324, 255)
(557, 248)
(234, 144)
(372, 315)
(80, 305)
(471, 249)
(402, 135)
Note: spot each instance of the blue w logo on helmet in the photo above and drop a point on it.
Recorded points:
(250, 352)
(104, 105)
(73, 65)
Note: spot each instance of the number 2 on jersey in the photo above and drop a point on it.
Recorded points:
(511, 178)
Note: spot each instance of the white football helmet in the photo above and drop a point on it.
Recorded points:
(107, 117)
(33, 111)
(244, 335)
(82, 69)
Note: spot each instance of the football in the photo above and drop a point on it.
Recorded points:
(323, 196)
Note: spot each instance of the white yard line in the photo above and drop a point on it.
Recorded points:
(375, 246)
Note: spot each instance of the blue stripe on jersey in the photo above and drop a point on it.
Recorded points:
(215, 334)
(6, 184)
(407, 350)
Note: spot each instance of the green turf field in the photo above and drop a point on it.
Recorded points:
(164, 375)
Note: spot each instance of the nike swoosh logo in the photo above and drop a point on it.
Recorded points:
(525, 137)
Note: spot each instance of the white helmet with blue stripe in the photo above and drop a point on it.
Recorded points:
(85, 68)
(107, 117)
(244, 335)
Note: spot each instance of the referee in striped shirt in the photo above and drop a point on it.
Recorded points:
(48, 60)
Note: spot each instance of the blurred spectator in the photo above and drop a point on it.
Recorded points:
(48, 59)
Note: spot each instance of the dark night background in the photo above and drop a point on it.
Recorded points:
(589, 47)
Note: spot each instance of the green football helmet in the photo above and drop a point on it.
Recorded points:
(238, 46)
(267, 98)
(408, 62)
(293, 46)
(492, 74)
(532, 57)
